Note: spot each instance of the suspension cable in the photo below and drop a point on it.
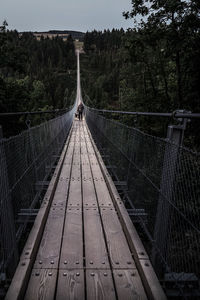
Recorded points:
(176, 114)
(20, 113)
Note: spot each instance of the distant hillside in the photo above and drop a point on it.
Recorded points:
(75, 34)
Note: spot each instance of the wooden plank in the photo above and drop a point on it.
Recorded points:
(56, 176)
(35, 235)
(102, 192)
(129, 285)
(17, 288)
(150, 280)
(20, 279)
(49, 250)
(135, 243)
(88, 189)
(132, 236)
(75, 196)
(152, 285)
(144, 266)
(72, 243)
(119, 252)
(89, 195)
(71, 285)
(100, 285)
(60, 197)
(96, 255)
(42, 285)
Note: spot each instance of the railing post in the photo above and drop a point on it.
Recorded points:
(175, 135)
(7, 227)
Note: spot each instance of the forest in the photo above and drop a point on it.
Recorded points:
(153, 67)
(34, 75)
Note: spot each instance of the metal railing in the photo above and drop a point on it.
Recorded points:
(25, 160)
(28, 113)
(175, 114)
(163, 179)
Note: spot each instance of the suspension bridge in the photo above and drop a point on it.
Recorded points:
(85, 189)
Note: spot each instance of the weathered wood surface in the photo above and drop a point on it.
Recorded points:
(49, 250)
(89, 196)
(71, 285)
(85, 250)
(75, 195)
(104, 198)
(71, 256)
(42, 285)
(100, 285)
(129, 285)
(120, 255)
(96, 255)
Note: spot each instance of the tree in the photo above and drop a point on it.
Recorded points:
(37, 95)
(33, 74)
(178, 23)
(3, 27)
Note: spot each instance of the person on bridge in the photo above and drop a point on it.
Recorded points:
(80, 111)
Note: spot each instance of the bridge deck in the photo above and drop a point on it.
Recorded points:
(83, 245)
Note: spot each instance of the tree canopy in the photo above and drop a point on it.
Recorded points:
(34, 74)
(154, 66)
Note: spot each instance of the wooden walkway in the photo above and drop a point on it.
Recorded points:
(83, 244)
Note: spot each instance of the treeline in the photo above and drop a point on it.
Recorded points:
(75, 34)
(101, 67)
(34, 75)
(153, 67)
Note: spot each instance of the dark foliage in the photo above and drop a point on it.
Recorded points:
(34, 75)
(153, 67)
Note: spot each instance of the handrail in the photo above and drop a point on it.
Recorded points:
(175, 114)
(33, 112)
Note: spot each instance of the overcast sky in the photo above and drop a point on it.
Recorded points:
(80, 15)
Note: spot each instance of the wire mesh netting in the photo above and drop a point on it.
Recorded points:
(164, 180)
(25, 160)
